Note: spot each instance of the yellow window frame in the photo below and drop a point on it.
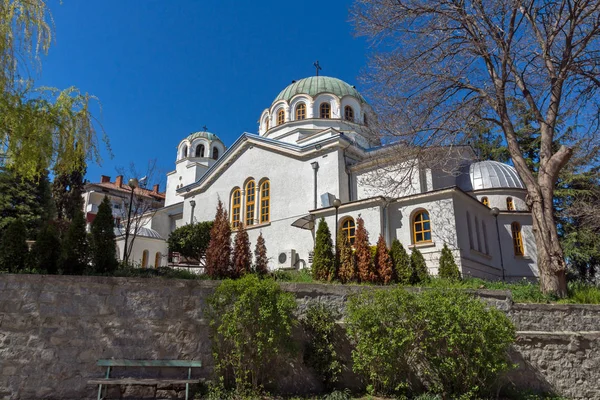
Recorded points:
(300, 111)
(420, 220)
(349, 229)
(250, 202)
(265, 202)
(515, 228)
(325, 110)
(236, 205)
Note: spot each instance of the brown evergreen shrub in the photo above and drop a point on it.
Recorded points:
(364, 260)
(347, 269)
(260, 256)
(383, 262)
(242, 256)
(218, 253)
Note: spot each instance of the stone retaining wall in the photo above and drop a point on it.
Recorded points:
(54, 328)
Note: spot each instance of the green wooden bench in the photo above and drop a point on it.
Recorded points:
(146, 381)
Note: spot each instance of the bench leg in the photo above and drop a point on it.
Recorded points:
(100, 385)
(187, 385)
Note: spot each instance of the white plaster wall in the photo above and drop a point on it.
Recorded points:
(394, 181)
(291, 195)
(142, 243)
(517, 267)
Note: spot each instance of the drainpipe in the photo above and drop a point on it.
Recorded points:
(315, 167)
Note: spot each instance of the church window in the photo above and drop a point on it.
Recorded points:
(325, 110)
(421, 227)
(510, 205)
(184, 152)
(250, 201)
(145, 259)
(301, 111)
(485, 201)
(280, 116)
(267, 124)
(485, 238)
(236, 204)
(265, 202)
(349, 229)
(349, 114)
(215, 153)
(515, 228)
(200, 150)
(157, 258)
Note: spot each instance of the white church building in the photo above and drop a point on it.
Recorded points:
(313, 146)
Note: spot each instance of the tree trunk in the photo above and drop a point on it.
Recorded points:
(551, 262)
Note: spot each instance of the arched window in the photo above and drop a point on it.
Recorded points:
(301, 111)
(236, 204)
(184, 152)
(325, 110)
(265, 202)
(200, 150)
(485, 201)
(510, 205)
(349, 113)
(215, 153)
(250, 201)
(157, 258)
(145, 259)
(349, 229)
(280, 116)
(267, 124)
(515, 228)
(421, 227)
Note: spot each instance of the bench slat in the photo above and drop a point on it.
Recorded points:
(149, 363)
(136, 381)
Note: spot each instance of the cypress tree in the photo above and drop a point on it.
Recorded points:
(448, 268)
(260, 256)
(76, 247)
(13, 247)
(383, 262)
(242, 257)
(104, 255)
(401, 261)
(323, 267)
(364, 258)
(418, 266)
(218, 253)
(347, 270)
(47, 250)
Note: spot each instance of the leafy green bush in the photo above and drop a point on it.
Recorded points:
(401, 262)
(582, 293)
(446, 339)
(13, 247)
(191, 240)
(323, 267)
(319, 326)
(448, 268)
(250, 326)
(303, 275)
(420, 273)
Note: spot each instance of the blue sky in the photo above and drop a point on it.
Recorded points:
(165, 68)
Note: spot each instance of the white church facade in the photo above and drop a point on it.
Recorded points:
(313, 146)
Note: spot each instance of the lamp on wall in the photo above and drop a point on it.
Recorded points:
(495, 212)
(193, 204)
(133, 184)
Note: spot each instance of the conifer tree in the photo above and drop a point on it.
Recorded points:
(364, 259)
(401, 261)
(323, 267)
(419, 267)
(76, 247)
(104, 254)
(13, 247)
(46, 252)
(260, 256)
(67, 189)
(383, 262)
(448, 268)
(218, 253)
(347, 270)
(242, 257)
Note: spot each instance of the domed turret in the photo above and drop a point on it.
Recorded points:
(489, 175)
(201, 144)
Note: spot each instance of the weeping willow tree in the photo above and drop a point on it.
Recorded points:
(39, 127)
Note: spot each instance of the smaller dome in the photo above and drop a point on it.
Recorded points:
(141, 232)
(489, 175)
(203, 134)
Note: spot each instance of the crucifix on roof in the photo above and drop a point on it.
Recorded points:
(317, 67)
(204, 128)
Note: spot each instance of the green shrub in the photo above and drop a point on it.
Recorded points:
(320, 355)
(446, 339)
(191, 240)
(418, 267)
(104, 254)
(13, 247)
(323, 267)
(47, 250)
(303, 275)
(250, 327)
(401, 261)
(448, 268)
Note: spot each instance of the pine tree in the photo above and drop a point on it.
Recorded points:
(67, 189)
(47, 250)
(448, 268)
(242, 257)
(76, 247)
(364, 259)
(104, 256)
(260, 256)
(401, 261)
(13, 247)
(218, 253)
(347, 270)
(323, 267)
(383, 262)
(418, 266)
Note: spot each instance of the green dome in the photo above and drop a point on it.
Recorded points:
(203, 134)
(315, 85)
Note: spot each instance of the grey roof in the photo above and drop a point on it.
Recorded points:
(315, 85)
(489, 175)
(142, 232)
(203, 134)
